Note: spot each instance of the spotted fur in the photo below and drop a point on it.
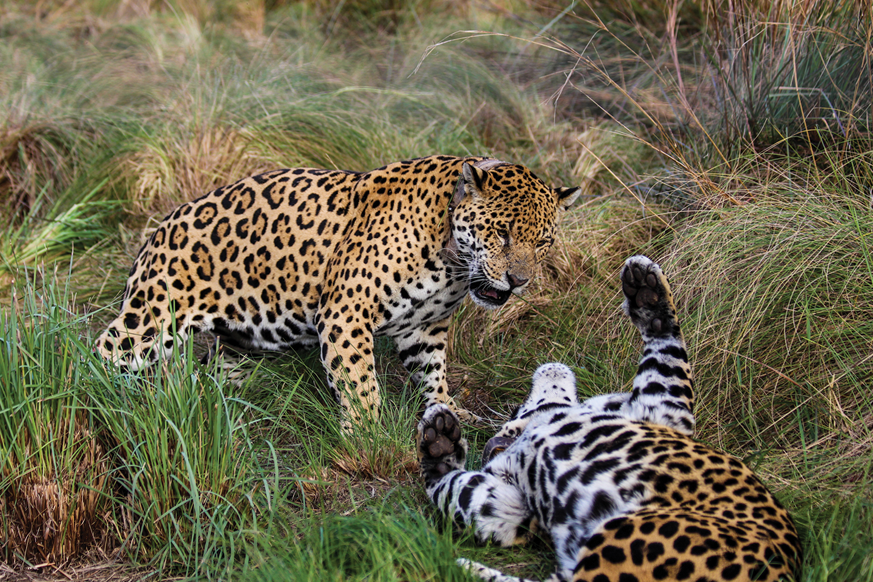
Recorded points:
(617, 481)
(305, 257)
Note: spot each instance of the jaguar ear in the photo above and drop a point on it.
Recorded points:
(474, 178)
(567, 196)
(460, 191)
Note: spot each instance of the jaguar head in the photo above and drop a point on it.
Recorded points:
(553, 386)
(503, 224)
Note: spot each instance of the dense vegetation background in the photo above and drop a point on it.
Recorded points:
(729, 140)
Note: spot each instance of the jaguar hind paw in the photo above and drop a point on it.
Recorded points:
(648, 299)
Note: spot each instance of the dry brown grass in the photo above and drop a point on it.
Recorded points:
(94, 567)
(51, 517)
(188, 164)
(29, 154)
(351, 480)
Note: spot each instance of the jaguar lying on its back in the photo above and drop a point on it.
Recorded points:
(625, 492)
(303, 257)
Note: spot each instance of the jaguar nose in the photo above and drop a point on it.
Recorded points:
(515, 281)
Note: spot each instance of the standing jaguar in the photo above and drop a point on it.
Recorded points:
(306, 257)
(617, 481)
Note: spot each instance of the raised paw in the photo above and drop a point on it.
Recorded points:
(440, 446)
(648, 300)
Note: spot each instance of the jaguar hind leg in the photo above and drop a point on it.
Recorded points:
(663, 387)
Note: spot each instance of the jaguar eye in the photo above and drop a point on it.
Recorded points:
(543, 243)
(504, 236)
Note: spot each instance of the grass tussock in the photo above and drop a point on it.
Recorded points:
(798, 70)
(789, 316)
(54, 471)
(51, 515)
(161, 471)
(165, 168)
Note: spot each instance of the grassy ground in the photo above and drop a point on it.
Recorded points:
(732, 146)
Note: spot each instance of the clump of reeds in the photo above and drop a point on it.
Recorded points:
(55, 489)
(160, 468)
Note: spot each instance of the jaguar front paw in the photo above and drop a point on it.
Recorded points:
(440, 446)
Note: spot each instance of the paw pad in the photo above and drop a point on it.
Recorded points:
(641, 286)
(440, 439)
(440, 432)
(647, 297)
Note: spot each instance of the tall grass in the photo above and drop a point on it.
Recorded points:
(48, 233)
(791, 69)
(195, 481)
(159, 469)
(388, 543)
(54, 485)
(781, 287)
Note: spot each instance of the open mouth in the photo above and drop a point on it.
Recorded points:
(490, 295)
